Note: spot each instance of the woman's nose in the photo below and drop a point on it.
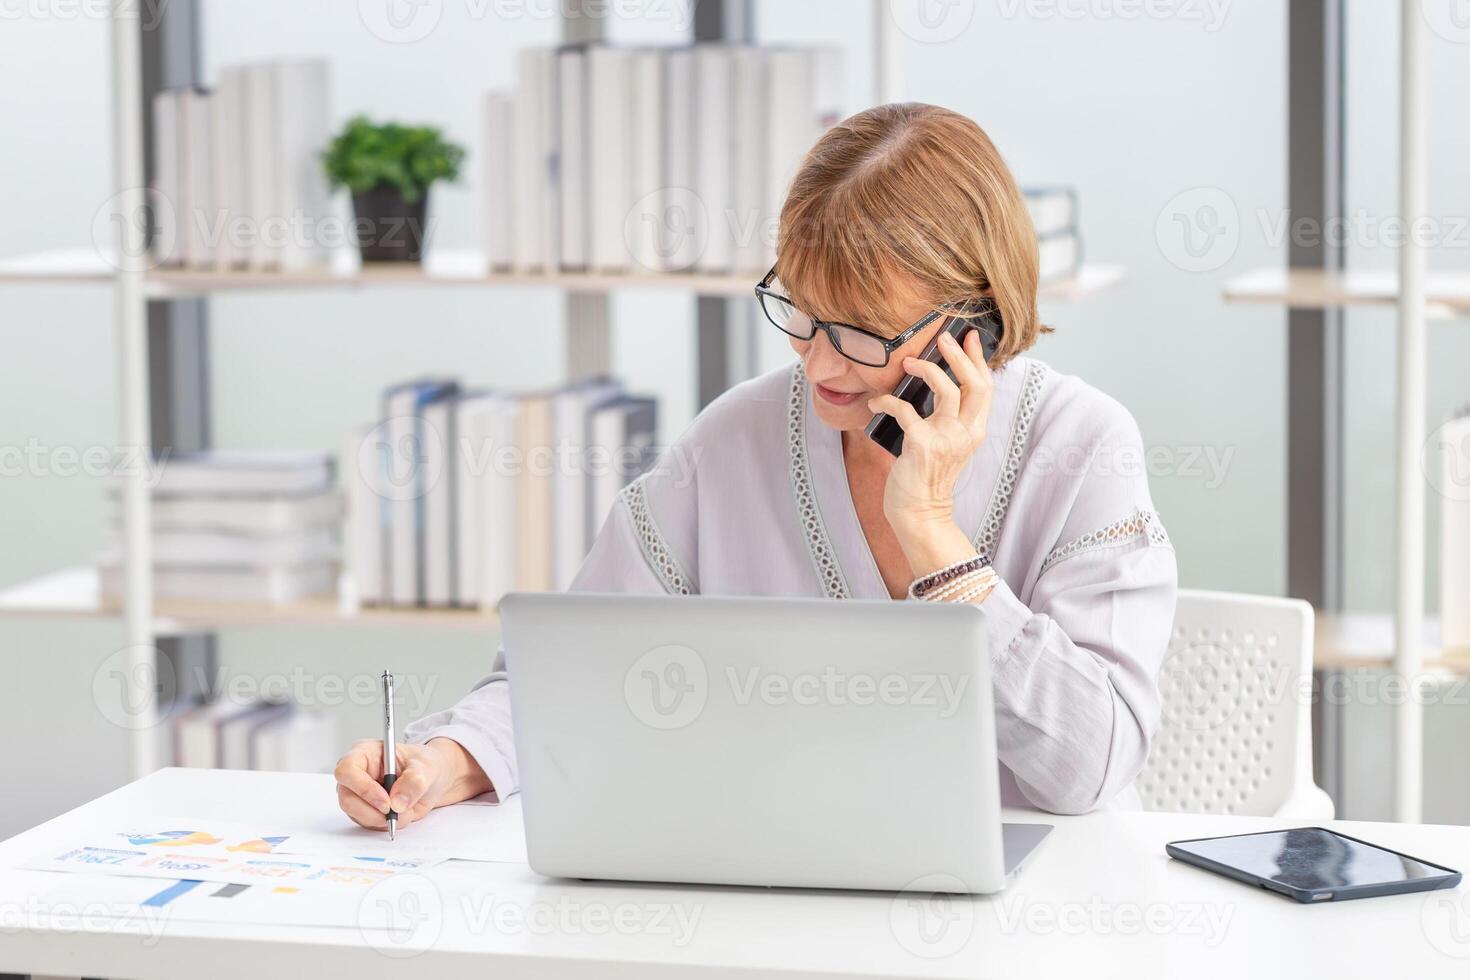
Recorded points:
(822, 359)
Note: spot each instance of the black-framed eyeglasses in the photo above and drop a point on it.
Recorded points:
(853, 343)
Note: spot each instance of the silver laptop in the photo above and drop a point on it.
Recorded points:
(758, 741)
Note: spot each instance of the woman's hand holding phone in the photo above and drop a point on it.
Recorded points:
(918, 498)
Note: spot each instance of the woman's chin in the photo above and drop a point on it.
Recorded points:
(843, 417)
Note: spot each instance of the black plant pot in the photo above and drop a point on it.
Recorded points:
(388, 228)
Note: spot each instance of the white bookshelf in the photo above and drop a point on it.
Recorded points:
(75, 593)
(444, 268)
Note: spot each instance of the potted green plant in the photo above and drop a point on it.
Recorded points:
(389, 168)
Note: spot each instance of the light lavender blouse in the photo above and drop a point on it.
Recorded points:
(753, 500)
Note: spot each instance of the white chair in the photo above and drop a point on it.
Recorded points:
(1236, 733)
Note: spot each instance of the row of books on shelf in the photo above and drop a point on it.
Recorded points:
(461, 496)
(661, 159)
(266, 735)
(607, 158)
(232, 525)
(238, 175)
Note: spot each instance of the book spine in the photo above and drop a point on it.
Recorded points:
(498, 194)
(714, 147)
(572, 162)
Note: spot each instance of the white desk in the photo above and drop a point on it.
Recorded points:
(1099, 899)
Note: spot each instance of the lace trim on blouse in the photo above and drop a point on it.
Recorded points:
(1000, 498)
(818, 543)
(1144, 525)
(656, 550)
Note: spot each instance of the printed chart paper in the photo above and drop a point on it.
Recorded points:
(213, 851)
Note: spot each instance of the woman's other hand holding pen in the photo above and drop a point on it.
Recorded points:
(431, 775)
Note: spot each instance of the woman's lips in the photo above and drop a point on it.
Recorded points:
(838, 397)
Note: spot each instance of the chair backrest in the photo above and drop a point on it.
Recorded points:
(1236, 733)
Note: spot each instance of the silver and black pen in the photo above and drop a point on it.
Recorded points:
(390, 749)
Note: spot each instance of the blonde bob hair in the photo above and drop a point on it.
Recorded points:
(915, 197)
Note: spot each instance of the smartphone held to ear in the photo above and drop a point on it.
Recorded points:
(884, 428)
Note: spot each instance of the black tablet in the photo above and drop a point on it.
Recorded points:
(1311, 864)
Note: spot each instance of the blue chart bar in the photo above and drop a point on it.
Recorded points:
(170, 893)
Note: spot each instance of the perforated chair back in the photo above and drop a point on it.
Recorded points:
(1236, 733)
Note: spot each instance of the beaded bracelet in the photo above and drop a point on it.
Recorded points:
(966, 588)
(921, 586)
(953, 586)
(978, 591)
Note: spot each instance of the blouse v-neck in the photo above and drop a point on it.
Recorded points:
(819, 447)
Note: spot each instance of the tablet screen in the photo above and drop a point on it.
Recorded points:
(1311, 858)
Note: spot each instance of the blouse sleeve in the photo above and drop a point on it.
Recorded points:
(1076, 669)
(630, 554)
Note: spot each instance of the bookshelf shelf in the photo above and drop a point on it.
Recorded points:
(1343, 641)
(1447, 294)
(1346, 640)
(445, 268)
(75, 593)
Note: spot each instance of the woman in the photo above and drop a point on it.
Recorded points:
(1023, 492)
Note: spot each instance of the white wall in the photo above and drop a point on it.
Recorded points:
(1133, 112)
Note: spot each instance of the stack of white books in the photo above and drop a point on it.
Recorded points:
(238, 172)
(242, 526)
(660, 159)
(458, 497)
(267, 735)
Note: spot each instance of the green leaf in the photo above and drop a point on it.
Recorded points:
(366, 155)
